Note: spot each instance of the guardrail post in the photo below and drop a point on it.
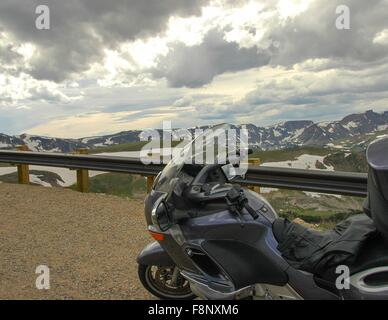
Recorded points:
(150, 182)
(23, 169)
(254, 162)
(82, 175)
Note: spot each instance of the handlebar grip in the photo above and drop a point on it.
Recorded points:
(251, 211)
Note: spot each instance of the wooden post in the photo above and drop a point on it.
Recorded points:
(82, 175)
(254, 162)
(23, 169)
(150, 182)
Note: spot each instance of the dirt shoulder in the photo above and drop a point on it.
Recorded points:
(89, 241)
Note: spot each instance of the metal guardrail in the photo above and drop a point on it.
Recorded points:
(334, 182)
(80, 161)
(343, 183)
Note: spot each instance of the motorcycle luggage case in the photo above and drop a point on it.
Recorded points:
(377, 203)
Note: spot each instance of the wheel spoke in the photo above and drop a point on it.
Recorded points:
(168, 280)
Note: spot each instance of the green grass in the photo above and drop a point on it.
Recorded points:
(130, 146)
(319, 217)
(118, 184)
(5, 164)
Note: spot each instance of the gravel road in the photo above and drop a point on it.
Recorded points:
(88, 241)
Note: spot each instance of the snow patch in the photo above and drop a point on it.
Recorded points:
(276, 133)
(4, 145)
(382, 127)
(68, 176)
(312, 194)
(351, 125)
(37, 179)
(109, 142)
(332, 145)
(267, 190)
(323, 124)
(305, 161)
(319, 195)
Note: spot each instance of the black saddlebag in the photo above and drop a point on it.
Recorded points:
(315, 251)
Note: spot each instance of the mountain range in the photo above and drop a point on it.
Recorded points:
(347, 131)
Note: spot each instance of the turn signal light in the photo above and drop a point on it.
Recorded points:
(157, 236)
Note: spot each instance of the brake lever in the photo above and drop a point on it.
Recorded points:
(238, 200)
(234, 209)
(251, 211)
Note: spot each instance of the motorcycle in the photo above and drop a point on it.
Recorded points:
(217, 240)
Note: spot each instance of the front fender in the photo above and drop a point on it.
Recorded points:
(154, 254)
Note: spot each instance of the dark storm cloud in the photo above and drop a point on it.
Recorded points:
(197, 65)
(313, 34)
(81, 29)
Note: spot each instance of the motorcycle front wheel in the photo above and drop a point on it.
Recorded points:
(165, 282)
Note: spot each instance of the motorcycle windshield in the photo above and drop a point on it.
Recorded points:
(207, 146)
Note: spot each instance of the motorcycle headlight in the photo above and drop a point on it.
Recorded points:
(160, 215)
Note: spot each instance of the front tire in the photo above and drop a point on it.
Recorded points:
(165, 282)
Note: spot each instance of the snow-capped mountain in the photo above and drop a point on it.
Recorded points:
(7, 142)
(40, 143)
(281, 135)
(49, 144)
(298, 133)
(277, 136)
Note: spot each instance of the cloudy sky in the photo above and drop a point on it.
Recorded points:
(106, 66)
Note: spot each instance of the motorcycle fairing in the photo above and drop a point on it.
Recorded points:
(154, 254)
(234, 247)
